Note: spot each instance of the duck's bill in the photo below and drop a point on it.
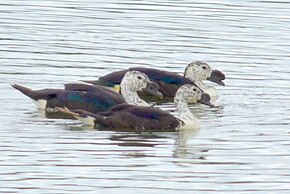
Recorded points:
(217, 76)
(205, 99)
(152, 89)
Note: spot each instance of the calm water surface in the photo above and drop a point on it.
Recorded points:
(243, 145)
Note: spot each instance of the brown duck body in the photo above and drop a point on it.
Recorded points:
(143, 118)
(74, 96)
(168, 82)
(92, 98)
(133, 118)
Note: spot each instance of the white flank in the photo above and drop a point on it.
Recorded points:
(87, 120)
(41, 104)
(193, 124)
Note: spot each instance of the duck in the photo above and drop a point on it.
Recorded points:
(199, 71)
(91, 97)
(144, 118)
(195, 73)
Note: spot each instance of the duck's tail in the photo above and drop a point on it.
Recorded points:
(26, 91)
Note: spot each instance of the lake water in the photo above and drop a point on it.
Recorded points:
(242, 146)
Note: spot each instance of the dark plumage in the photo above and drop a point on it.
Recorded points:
(168, 82)
(92, 98)
(75, 96)
(131, 117)
(91, 101)
(36, 94)
(144, 118)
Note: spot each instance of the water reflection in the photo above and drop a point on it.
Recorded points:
(181, 149)
(242, 145)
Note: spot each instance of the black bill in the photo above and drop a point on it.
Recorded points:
(205, 99)
(217, 77)
(152, 89)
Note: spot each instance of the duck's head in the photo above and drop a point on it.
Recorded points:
(198, 71)
(138, 81)
(189, 92)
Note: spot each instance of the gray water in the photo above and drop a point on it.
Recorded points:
(242, 146)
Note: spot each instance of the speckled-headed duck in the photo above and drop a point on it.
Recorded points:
(93, 98)
(141, 118)
(168, 81)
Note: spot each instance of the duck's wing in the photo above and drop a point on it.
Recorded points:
(168, 81)
(88, 88)
(109, 80)
(133, 117)
(168, 77)
(90, 101)
(163, 76)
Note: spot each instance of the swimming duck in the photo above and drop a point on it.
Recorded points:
(199, 71)
(141, 118)
(169, 82)
(92, 98)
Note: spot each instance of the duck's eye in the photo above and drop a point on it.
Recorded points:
(194, 90)
(203, 67)
(139, 77)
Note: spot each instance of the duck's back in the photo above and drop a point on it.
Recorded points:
(168, 81)
(142, 118)
(92, 99)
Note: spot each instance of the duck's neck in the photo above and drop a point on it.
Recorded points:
(210, 90)
(184, 112)
(200, 84)
(131, 97)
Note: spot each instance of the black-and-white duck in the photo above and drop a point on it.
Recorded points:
(195, 73)
(199, 71)
(144, 118)
(93, 98)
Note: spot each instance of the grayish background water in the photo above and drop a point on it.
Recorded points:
(242, 146)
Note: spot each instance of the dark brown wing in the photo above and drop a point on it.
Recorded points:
(111, 79)
(168, 81)
(133, 117)
(90, 101)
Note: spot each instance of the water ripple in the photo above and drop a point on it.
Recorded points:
(242, 145)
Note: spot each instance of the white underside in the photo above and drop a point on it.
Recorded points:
(193, 124)
(212, 92)
(87, 120)
(41, 104)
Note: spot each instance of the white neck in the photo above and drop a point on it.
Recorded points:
(184, 112)
(131, 96)
(200, 84)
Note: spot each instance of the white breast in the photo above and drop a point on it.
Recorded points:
(212, 92)
(192, 124)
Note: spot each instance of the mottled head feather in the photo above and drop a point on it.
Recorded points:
(199, 71)
(187, 92)
(135, 80)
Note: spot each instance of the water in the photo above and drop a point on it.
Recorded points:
(242, 146)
